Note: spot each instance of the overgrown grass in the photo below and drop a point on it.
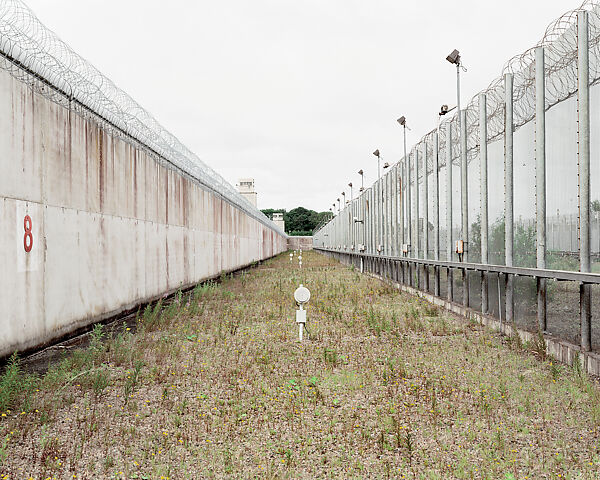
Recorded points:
(216, 385)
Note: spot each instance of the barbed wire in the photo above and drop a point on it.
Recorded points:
(560, 69)
(36, 56)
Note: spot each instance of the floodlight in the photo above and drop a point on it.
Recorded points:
(454, 57)
(350, 184)
(376, 153)
(386, 165)
(360, 172)
(402, 120)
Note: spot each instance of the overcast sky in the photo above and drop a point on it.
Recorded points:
(297, 94)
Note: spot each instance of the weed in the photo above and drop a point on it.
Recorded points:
(330, 356)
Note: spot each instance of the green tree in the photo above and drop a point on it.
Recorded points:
(299, 221)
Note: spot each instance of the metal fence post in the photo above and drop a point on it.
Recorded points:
(436, 213)
(395, 209)
(449, 207)
(425, 219)
(400, 180)
(540, 182)
(464, 202)
(483, 176)
(409, 238)
(417, 232)
(391, 212)
(508, 193)
(583, 107)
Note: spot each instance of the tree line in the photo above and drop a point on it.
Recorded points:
(299, 221)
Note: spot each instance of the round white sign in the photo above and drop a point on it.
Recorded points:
(302, 294)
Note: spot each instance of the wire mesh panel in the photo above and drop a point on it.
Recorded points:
(539, 130)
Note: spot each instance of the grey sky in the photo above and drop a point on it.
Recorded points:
(297, 94)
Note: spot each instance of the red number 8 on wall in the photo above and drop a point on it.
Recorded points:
(28, 237)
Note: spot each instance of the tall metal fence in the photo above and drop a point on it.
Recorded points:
(36, 56)
(501, 213)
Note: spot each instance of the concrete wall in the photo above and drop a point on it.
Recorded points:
(111, 226)
(295, 243)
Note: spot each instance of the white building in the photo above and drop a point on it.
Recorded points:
(278, 220)
(246, 188)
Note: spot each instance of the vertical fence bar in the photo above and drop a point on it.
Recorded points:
(367, 224)
(409, 238)
(376, 211)
(373, 218)
(409, 233)
(400, 181)
(417, 229)
(384, 219)
(436, 212)
(395, 207)
(483, 176)
(508, 193)
(449, 207)
(425, 219)
(425, 204)
(464, 202)
(390, 212)
(380, 214)
(540, 182)
(583, 107)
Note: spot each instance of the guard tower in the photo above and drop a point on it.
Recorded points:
(278, 220)
(246, 188)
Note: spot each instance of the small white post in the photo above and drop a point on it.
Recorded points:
(302, 296)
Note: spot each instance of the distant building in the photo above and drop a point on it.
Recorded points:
(278, 220)
(246, 188)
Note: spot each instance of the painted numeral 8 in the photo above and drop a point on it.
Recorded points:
(28, 237)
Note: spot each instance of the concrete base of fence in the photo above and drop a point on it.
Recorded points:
(560, 350)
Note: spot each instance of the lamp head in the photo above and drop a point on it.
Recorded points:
(376, 153)
(350, 184)
(360, 172)
(444, 110)
(386, 165)
(402, 121)
(454, 57)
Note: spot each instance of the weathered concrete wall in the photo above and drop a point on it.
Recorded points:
(111, 226)
(295, 243)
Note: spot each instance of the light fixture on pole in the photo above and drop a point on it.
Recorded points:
(402, 122)
(362, 180)
(378, 155)
(406, 205)
(454, 58)
(344, 199)
(351, 196)
(338, 200)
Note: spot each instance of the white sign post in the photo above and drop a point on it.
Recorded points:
(302, 296)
